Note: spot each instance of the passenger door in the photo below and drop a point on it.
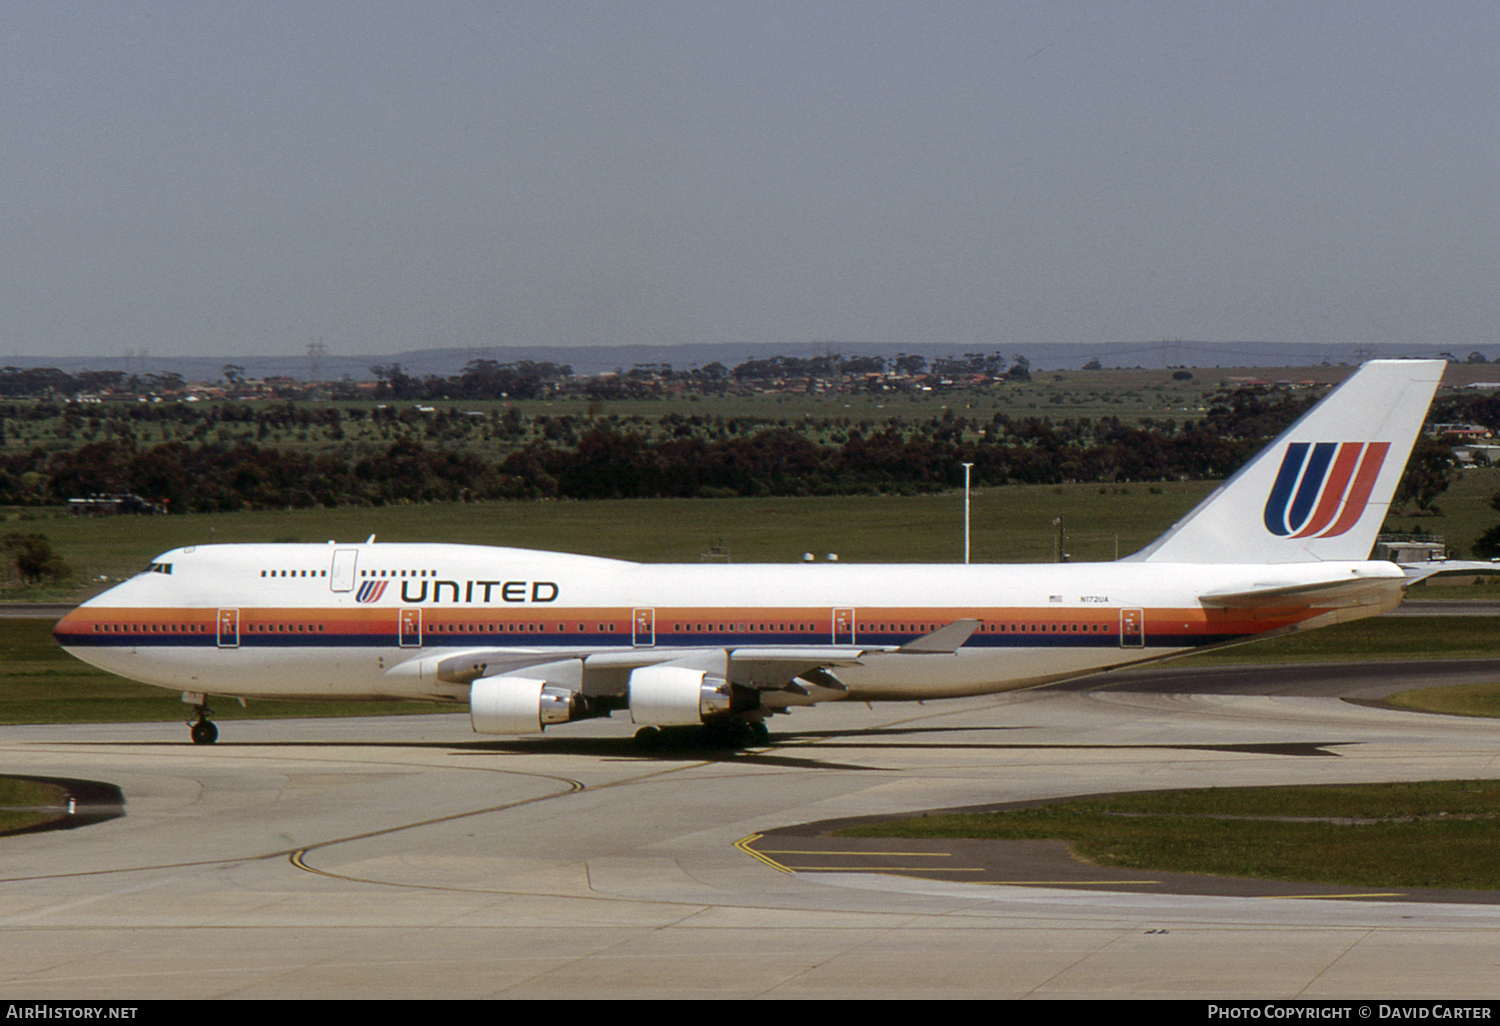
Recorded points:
(229, 628)
(843, 626)
(643, 628)
(410, 628)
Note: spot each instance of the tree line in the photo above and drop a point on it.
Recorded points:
(605, 463)
(438, 457)
(232, 457)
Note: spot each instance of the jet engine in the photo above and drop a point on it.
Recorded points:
(672, 696)
(520, 705)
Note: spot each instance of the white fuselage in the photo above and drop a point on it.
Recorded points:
(375, 620)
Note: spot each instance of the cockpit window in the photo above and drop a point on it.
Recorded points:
(157, 568)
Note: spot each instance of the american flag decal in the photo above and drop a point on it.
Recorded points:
(370, 591)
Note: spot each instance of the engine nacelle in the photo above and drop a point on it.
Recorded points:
(674, 696)
(519, 705)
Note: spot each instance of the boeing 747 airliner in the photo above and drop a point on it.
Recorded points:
(529, 639)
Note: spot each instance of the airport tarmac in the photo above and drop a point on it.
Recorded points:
(406, 857)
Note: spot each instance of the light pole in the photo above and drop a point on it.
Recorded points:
(967, 468)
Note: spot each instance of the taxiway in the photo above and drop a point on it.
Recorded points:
(406, 857)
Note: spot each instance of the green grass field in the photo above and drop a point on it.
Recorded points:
(1438, 834)
(1009, 524)
(24, 802)
(1462, 700)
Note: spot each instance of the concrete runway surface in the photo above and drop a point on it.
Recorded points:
(407, 857)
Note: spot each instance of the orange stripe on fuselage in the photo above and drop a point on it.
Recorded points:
(816, 625)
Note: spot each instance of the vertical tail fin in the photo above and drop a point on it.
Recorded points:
(1321, 490)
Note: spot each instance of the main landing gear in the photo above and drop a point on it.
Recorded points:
(733, 734)
(203, 731)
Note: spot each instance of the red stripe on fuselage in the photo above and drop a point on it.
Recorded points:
(95, 625)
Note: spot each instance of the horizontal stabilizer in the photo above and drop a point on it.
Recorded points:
(1356, 591)
(1442, 568)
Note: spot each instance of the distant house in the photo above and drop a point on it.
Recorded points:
(1459, 431)
(1479, 455)
(1410, 548)
(114, 505)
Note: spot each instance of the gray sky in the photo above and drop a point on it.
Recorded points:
(208, 178)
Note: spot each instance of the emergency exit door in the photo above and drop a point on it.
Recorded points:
(341, 574)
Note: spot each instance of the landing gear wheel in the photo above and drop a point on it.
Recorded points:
(732, 735)
(204, 732)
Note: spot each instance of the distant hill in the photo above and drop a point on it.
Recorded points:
(601, 359)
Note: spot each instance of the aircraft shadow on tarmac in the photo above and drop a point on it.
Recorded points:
(87, 801)
(624, 748)
(778, 751)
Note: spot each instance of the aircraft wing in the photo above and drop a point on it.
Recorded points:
(803, 672)
(783, 664)
(757, 667)
(767, 668)
(468, 666)
(943, 641)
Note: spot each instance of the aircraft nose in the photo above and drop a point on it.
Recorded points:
(74, 625)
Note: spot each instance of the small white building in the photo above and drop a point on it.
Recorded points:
(1410, 548)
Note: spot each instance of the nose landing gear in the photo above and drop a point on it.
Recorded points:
(203, 731)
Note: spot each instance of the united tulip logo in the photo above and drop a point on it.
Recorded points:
(1322, 488)
(370, 591)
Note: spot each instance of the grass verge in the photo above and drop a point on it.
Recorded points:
(1412, 835)
(1383, 637)
(1460, 700)
(25, 802)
